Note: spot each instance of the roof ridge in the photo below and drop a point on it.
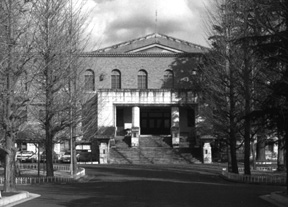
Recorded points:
(125, 43)
(183, 41)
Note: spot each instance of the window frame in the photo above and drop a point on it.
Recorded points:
(115, 79)
(168, 78)
(142, 79)
(89, 80)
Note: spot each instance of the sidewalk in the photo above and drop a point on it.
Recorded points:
(277, 198)
(18, 198)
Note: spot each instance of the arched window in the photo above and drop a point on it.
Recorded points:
(116, 79)
(142, 79)
(168, 79)
(89, 80)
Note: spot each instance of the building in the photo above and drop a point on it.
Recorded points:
(143, 86)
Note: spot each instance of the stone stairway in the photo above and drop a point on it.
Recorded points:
(155, 141)
(151, 150)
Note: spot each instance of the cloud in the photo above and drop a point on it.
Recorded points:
(115, 21)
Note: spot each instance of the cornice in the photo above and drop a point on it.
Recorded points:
(91, 54)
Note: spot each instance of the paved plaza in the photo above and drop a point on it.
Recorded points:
(150, 185)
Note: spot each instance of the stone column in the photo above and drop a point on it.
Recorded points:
(207, 153)
(135, 131)
(103, 153)
(175, 129)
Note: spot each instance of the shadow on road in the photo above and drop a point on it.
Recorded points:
(141, 186)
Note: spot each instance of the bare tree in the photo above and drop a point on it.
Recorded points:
(57, 45)
(15, 52)
(222, 77)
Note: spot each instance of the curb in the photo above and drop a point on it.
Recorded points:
(22, 195)
(276, 198)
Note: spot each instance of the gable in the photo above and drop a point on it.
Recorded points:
(153, 43)
(155, 48)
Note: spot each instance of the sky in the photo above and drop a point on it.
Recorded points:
(115, 21)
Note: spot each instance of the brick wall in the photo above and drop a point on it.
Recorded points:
(129, 67)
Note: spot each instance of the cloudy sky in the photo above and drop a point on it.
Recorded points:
(115, 21)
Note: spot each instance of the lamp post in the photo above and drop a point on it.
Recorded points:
(72, 87)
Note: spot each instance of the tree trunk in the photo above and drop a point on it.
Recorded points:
(232, 134)
(49, 155)
(247, 96)
(260, 155)
(286, 156)
(253, 152)
(73, 160)
(10, 170)
(280, 158)
(229, 158)
(247, 170)
(233, 152)
(9, 182)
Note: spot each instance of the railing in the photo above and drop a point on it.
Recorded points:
(46, 179)
(267, 179)
(35, 167)
(148, 96)
(37, 180)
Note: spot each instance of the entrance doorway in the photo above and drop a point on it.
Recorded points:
(156, 121)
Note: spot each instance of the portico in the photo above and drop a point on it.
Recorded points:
(155, 112)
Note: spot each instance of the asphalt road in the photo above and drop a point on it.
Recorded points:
(150, 185)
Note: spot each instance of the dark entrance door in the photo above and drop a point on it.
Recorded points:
(155, 121)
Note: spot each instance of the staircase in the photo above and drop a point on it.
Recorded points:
(151, 150)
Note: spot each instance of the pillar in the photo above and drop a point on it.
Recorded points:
(207, 153)
(103, 153)
(135, 131)
(175, 129)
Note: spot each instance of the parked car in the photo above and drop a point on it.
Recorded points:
(66, 157)
(26, 156)
(55, 156)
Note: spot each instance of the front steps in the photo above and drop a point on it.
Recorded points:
(151, 150)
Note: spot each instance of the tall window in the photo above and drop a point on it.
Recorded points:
(168, 79)
(116, 79)
(142, 79)
(89, 80)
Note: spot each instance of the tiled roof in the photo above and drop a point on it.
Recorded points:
(154, 41)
